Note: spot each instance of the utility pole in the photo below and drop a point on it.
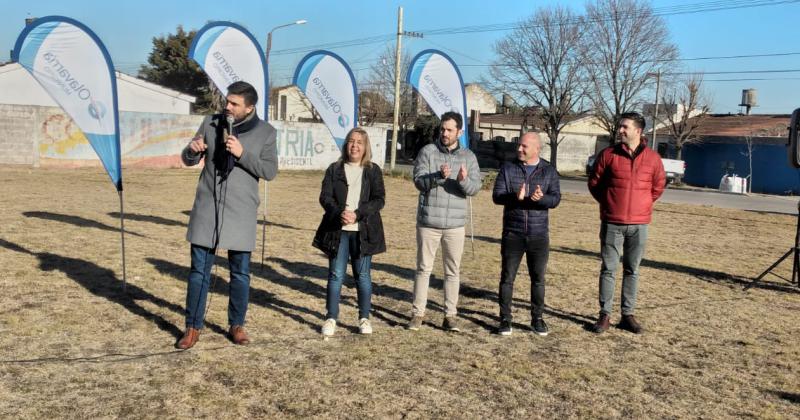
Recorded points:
(396, 118)
(655, 112)
(397, 74)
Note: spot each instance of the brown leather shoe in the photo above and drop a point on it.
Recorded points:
(189, 339)
(239, 335)
(629, 323)
(602, 324)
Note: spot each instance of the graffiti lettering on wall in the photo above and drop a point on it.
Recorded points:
(311, 146)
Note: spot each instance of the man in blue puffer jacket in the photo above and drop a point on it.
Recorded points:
(527, 189)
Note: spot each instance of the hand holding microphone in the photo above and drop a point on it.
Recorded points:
(232, 144)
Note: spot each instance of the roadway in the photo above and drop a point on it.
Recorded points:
(697, 196)
(704, 197)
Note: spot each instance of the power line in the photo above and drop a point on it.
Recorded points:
(659, 11)
(711, 6)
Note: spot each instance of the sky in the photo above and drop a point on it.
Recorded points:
(766, 28)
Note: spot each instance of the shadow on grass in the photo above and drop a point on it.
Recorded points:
(149, 218)
(103, 282)
(472, 292)
(777, 213)
(299, 284)
(792, 397)
(709, 276)
(258, 296)
(488, 239)
(75, 220)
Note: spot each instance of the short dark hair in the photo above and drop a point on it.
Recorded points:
(455, 116)
(246, 90)
(637, 118)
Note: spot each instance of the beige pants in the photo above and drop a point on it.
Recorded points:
(428, 240)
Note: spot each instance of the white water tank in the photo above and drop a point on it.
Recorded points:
(733, 184)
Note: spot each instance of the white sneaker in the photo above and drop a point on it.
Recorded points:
(329, 327)
(364, 326)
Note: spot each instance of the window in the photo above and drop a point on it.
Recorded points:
(283, 108)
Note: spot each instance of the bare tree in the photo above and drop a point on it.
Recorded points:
(540, 63)
(377, 88)
(692, 109)
(748, 153)
(625, 42)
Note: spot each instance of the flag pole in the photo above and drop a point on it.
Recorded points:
(122, 233)
(264, 227)
(471, 226)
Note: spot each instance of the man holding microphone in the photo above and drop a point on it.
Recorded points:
(237, 148)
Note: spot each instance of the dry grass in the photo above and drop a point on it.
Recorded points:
(73, 345)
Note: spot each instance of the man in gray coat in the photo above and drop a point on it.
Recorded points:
(226, 204)
(445, 174)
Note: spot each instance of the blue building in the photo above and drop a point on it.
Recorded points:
(727, 144)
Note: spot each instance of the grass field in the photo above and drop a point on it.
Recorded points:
(72, 344)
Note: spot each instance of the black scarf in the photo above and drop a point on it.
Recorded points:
(224, 161)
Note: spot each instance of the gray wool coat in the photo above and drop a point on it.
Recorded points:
(225, 211)
(443, 201)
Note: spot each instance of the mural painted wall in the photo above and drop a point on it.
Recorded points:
(44, 136)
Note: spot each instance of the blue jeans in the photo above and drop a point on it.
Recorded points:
(200, 280)
(349, 248)
(630, 241)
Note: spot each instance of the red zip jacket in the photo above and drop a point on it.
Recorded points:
(627, 184)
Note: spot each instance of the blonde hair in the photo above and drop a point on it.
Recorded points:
(366, 158)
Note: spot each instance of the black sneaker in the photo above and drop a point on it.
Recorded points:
(539, 327)
(450, 324)
(505, 327)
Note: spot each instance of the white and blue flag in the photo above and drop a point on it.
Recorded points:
(328, 83)
(73, 66)
(437, 79)
(228, 53)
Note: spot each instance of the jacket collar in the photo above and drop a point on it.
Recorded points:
(444, 149)
(624, 150)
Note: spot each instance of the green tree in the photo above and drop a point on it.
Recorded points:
(169, 65)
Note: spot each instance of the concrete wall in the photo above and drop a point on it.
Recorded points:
(45, 136)
(573, 151)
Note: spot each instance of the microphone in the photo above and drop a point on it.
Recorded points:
(229, 130)
(229, 160)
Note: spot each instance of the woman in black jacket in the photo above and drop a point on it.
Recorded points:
(352, 196)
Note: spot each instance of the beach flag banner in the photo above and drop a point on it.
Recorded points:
(228, 53)
(328, 83)
(437, 79)
(73, 66)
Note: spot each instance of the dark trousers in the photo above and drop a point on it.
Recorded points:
(536, 250)
(200, 281)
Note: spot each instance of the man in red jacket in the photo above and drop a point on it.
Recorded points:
(627, 179)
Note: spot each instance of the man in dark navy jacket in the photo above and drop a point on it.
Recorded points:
(527, 189)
